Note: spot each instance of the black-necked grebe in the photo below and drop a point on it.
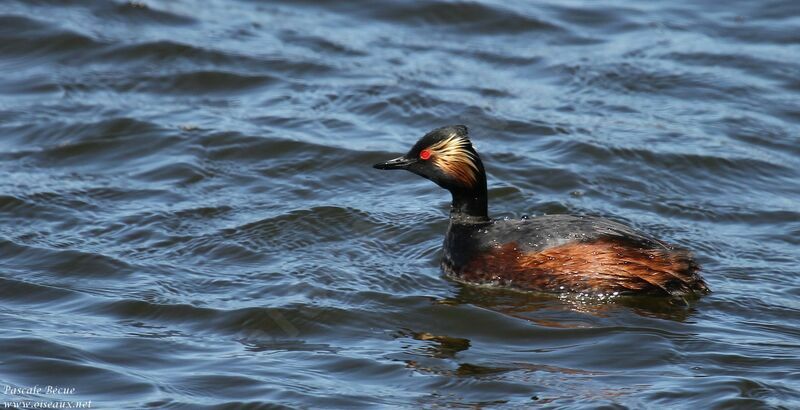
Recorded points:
(553, 253)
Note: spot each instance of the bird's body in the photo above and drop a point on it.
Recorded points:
(555, 253)
(566, 253)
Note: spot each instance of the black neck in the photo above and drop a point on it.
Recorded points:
(470, 205)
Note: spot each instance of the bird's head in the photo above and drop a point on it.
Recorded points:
(446, 157)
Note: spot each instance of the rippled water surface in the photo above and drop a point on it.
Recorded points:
(189, 219)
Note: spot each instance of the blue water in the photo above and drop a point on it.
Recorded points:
(189, 218)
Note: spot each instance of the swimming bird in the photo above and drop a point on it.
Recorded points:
(550, 253)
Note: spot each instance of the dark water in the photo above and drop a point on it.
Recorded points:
(188, 217)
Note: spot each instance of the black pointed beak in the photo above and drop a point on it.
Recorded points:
(397, 163)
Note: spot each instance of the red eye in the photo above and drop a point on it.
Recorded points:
(425, 154)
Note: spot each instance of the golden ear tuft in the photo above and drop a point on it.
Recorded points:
(454, 156)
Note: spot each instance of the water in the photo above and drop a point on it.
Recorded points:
(189, 218)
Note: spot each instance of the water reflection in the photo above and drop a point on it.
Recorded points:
(537, 307)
